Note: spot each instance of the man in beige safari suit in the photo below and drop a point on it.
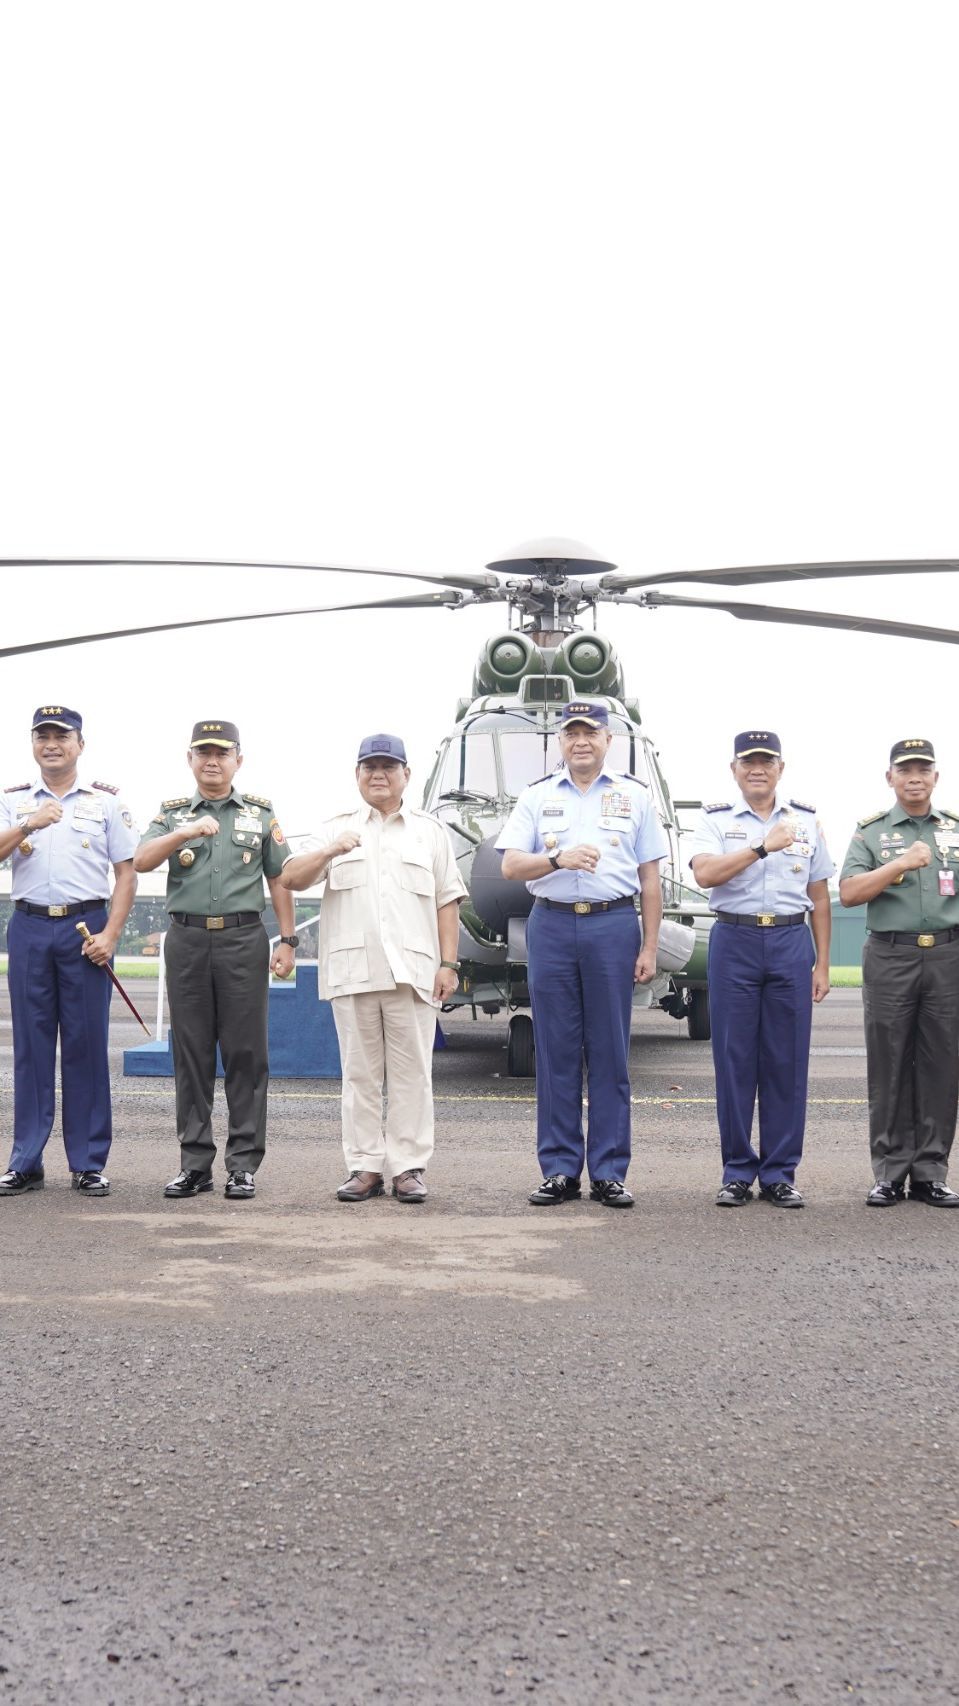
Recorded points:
(389, 930)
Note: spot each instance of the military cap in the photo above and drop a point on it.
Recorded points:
(905, 751)
(59, 715)
(215, 734)
(757, 740)
(585, 711)
(381, 746)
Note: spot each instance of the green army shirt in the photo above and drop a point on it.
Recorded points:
(913, 903)
(226, 871)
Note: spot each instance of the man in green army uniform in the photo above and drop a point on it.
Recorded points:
(904, 863)
(219, 844)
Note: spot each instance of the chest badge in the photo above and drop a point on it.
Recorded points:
(247, 857)
(549, 841)
(187, 856)
(26, 848)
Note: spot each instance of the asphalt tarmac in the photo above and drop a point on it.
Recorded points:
(298, 1450)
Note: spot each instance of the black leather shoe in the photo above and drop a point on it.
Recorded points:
(885, 1195)
(240, 1186)
(933, 1192)
(782, 1195)
(557, 1188)
(734, 1194)
(13, 1184)
(610, 1192)
(191, 1183)
(91, 1184)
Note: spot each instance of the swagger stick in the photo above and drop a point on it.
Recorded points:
(114, 980)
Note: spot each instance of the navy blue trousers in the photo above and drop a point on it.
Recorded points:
(581, 989)
(55, 990)
(760, 1003)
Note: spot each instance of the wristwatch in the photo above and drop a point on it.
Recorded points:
(291, 941)
(450, 965)
(554, 860)
(760, 849)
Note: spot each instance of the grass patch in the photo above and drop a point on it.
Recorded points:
(845, 977)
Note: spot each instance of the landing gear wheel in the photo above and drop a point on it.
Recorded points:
(520, 1049)
(697, 1015)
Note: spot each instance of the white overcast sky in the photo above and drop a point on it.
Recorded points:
(406, 284)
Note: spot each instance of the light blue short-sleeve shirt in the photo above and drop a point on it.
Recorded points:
(74, 858)
(780, 882)
(615, 814)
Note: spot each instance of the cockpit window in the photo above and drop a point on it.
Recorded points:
(526, 756)
(470, 766)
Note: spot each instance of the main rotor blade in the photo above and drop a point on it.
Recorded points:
(421, 600)
(802, 618)
(767, 572)
(470, 582)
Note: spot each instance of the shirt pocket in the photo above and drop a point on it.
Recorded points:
(246, 838)
(422, 964)
(89, 825)
(348, 963)
(417, 873)
(348, 872)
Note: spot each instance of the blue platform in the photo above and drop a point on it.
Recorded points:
(303, 1041)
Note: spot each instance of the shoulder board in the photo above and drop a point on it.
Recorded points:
(947, 812)
(802, 806)
(721, 806)
(258, 800)
(18, 788)
(627, 777)
(106, 787)
(873, 818)
(541, 779)
(170, 805)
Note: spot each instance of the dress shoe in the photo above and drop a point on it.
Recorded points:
(933, 1192)
(782, 1195)
(190, 1183)
(360, 1186)
(557, 1188)
(610, 1192)
(13, 1184)
(733, 1193)
(91, 1183)
(885, 1195)
(240, 1186)
(409, 1186)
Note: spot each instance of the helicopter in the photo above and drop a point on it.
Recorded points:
(505, 732)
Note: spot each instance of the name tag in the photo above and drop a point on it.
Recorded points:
(553, 811)
(247, 824)
(89, 811)
(735, 834)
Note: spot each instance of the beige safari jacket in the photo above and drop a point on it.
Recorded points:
(378, 924)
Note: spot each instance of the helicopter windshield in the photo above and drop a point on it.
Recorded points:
(470, 767)
(527, 755)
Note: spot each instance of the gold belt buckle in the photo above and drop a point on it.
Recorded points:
(56, 912)
(582, 906)
(925, 941)
(765, 918)
(214, 924)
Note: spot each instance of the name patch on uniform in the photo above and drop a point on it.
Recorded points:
(734, 835)
(247, 824)
(89, 810)
(553, 811)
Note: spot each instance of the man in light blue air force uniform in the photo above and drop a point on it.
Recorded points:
(767, 866)
(584, 840)
(66, 840)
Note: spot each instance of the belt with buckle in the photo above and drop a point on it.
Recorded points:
(926, 940)
(582, 906)
(226, 921)
(761, 920)
(69, 911)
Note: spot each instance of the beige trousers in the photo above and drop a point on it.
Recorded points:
(386, 1044)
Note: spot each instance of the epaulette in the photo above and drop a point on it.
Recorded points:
(947, 811)
(550, 778)
(874, 818)
(258, 800)
(18, 788)
(801, 806)
(627, 776)
(105, 787)
(171, 805)
(721, 806)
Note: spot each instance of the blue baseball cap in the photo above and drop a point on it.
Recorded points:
(585, 711)
(381, 746)
(59, 716)
(762, 741)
